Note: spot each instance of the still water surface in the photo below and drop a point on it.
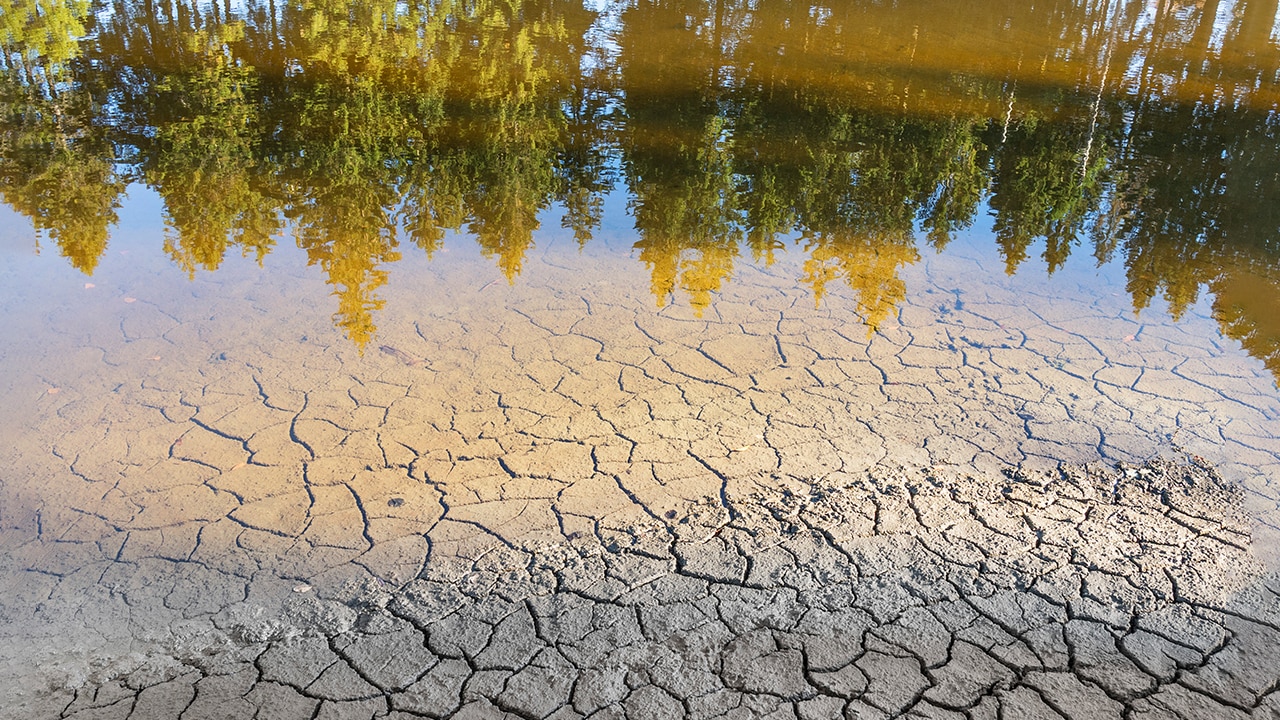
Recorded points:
(305, 295)
(855, 136)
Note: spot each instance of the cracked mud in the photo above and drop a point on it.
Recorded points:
(573, 505)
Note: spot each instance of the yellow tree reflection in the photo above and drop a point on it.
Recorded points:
(57, 166)
(202, 160)
(351, 260)
(677, 148)
(336, 128)
(868, 264)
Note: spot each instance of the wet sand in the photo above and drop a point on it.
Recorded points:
(555, 500)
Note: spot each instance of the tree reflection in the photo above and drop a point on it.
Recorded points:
(676, 148)
(57, 163)
(1044, 187)
(850, 132)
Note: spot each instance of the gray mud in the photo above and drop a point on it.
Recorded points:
(1080, 593)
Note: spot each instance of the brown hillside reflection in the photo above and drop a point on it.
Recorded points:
(851, 132)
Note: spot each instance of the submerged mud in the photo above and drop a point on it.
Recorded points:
(553, 500)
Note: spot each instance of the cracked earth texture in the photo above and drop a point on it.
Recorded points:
(557, 501)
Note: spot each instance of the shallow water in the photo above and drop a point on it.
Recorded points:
(547, 359)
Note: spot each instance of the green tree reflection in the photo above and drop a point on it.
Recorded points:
(677, 150)
(849, 132)
(1044, 187)
(57, 163)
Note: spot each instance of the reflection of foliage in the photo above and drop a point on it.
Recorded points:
(677, 154)
(1218, 209)
(351, 264)
(353, 121)
(685, 214)
(710, 166)
(870, 266)
(330, 141)
(56, 163)
(69, 191)
(201, 161)
(583, 164)
(1040, 189)
(855, 130)
(39, 37)
(1242, 297)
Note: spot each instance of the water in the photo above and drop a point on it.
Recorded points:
(532, 358)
